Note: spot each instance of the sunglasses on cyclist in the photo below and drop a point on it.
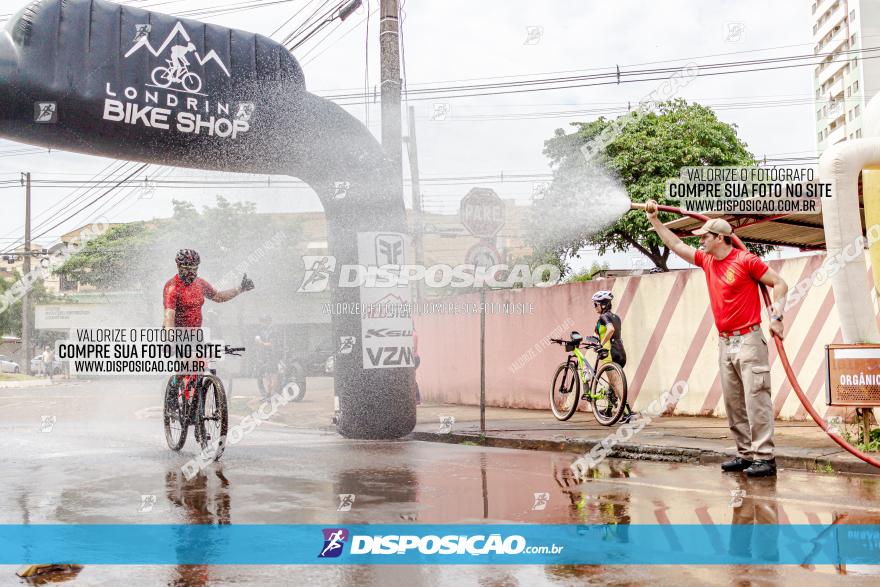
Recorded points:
(191, 267)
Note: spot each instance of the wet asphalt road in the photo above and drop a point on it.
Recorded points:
(94, 452)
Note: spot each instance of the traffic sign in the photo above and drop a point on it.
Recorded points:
(482, 212)
(483, 254)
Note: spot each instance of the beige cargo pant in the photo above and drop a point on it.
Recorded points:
(745, 379)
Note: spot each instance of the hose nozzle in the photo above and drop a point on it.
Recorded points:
(636, 206)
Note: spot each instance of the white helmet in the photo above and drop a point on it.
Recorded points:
(603, 296)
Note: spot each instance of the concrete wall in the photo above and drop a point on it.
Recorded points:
(668, 332)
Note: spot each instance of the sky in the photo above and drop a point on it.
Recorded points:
(489, 135)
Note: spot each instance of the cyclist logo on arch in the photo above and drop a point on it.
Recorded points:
(178, 71)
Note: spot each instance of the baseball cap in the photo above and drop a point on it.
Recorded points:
(715, 225)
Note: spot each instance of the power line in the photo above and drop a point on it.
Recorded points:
(289, 20)
(366, 19)
(545, 84)
(326, 19)
(83, 208)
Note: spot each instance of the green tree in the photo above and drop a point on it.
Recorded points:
(10, 318)
(645, 151)
(587, 274)
(106, 261)
(140, 255)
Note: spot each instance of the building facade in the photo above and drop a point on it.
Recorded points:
(847, 77)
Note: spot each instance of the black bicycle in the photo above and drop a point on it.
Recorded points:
(604, 383)
(198, 400)
(292, 376)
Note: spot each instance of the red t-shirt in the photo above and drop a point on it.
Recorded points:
(186, 300)
(733, 288)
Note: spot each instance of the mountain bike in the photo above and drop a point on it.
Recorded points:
(165, 76)
(604, 384)
(292, 376)
(197, 400)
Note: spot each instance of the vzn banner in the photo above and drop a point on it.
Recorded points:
(100, 78)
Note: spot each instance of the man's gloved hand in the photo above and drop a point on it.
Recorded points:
(246, 284)
(603, 353)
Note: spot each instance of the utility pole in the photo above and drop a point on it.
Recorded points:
(389, 52)
(418, 221)
(26, 269)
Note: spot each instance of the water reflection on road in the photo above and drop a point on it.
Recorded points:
(97, 469)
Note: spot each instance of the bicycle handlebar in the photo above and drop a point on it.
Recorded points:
(584, 343)
(233, 350)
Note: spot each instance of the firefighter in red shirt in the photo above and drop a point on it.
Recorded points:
(733, 278)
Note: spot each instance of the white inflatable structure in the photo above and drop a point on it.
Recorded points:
(840, 165)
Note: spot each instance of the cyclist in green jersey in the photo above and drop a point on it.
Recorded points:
(609, 330)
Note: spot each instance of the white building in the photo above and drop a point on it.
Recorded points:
(846, 78)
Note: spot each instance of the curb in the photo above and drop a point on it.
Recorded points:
(647, 452)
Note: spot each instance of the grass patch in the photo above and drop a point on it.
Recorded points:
(16, 377)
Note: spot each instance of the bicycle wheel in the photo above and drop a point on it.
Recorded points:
(565, 392)
(161, 76)
(174, 417)
(261, 386)
(212, 418)
(295, 386)
(191, 82)
(609, 393)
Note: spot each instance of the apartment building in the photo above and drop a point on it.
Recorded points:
(848, 76)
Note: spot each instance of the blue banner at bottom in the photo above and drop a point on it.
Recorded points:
(518, 544)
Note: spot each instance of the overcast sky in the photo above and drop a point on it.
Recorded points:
(459, 40)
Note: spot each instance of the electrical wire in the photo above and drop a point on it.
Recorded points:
(339, 38)
(611, 77)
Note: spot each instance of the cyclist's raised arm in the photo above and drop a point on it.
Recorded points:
(223, 296)
(228, 294)
(669, 239)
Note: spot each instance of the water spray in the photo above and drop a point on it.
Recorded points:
(786, 364)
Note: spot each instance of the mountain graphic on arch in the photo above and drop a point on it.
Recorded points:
(179, 29)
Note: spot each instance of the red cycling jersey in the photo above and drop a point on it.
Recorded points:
(186, 300)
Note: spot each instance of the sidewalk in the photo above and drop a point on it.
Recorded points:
(799, 445)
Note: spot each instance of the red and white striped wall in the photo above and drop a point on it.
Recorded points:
(668, 332)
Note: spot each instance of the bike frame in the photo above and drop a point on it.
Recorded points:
(583, 368)
(191, 380)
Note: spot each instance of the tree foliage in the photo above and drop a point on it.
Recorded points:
(10, 318)
(644, 151)
(139, 255)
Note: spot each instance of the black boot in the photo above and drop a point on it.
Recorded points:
(737, 464)
(762, 468)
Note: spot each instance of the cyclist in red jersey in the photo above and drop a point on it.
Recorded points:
(186, 292)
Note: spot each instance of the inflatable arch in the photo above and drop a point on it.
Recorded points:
(99, 78)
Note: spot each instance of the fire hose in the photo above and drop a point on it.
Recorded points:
(786, 364)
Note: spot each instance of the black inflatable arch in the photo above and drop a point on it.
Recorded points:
(99, 78)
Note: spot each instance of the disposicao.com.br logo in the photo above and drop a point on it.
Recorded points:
(431, 544)
(319, 270)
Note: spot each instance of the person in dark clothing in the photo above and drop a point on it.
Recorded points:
(268, 355)
(609, 330)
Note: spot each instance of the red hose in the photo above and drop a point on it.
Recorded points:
(786, 364)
